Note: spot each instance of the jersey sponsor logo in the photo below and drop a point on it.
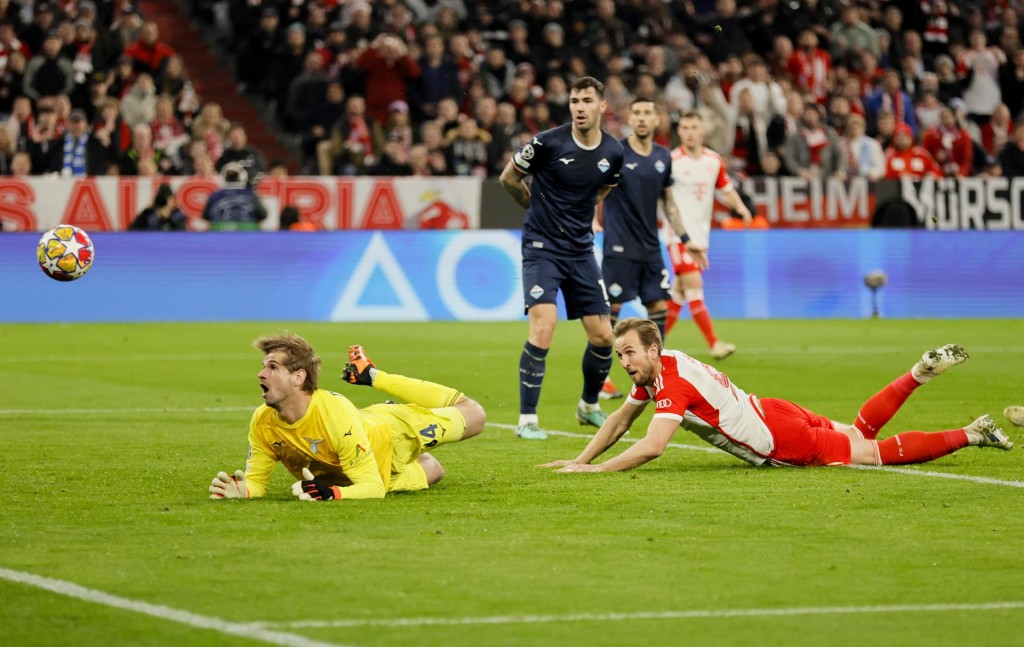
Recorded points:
(664, 403)
(536, 292)
(314, 444)
(615, 289)
(566, 160)
(632, 165)
(659, 166)
(604, 165)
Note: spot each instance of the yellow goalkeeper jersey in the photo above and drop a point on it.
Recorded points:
(333, 440)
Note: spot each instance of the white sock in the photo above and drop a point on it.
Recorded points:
(588, 407)
(525, 418)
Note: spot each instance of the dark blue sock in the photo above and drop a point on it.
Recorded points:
(597, 361)
(531, 376)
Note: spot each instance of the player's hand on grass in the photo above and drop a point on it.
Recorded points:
(561, 463)
(225, 486)
(579, 467)
(309, 489)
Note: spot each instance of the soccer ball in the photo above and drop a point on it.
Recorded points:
(65, 253)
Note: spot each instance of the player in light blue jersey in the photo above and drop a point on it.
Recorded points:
(573, 167)
(632, 265)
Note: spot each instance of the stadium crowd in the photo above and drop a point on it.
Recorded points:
(817, 88)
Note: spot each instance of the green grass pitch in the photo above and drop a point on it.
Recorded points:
(111, 434)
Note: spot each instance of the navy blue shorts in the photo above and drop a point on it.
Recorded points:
(579, 279)
(626, 279)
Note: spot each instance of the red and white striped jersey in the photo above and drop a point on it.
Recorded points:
(703, 400)
(695, 180)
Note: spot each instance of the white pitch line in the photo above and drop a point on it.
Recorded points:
(984, 480)
(647, 615)
(246, 630)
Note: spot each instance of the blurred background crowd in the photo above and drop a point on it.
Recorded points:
(808, 88)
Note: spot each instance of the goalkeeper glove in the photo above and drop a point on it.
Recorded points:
(229, 487)
(309, 489)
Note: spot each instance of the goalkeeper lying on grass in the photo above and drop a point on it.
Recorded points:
(336, 450)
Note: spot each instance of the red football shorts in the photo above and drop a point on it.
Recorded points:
(803, 437)
(682, 262)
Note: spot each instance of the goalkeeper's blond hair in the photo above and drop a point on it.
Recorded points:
(298, 355)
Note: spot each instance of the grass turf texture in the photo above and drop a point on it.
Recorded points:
(113, 497)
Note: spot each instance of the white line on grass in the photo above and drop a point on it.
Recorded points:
(878, 468)
(245, 630)
(647, 615)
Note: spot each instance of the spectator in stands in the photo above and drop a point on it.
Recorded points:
(41, 27)
(905, 160)
(287, 63)
(121, 78)
(162, 215)
(928, 108)
(138, 106)
(200, 165)
(238, 151)
(439, 78)
(852, 35)
(389, 70)
(517, 47)
(398, 127)
(21, 164)
(140, 151)
(20, 123)
(9, 44)
(47, 73)
(111, 130)
(235, 206)
(950, 145)
(174, 81)
(497, 72)
(1011, 157)
(997, 130)
(552, 55)
(767, 95)
(77, 152)
(815, 151)
(7, 152)
(354, 142)
(322, 117)
(125, 28)
(810, 67)
(305, 94)
(12, 81)
(169, 135)
(890, 98)
(1011, 83)
(42, 138)
(211, 128)
(256, 53)
(950, 84)
(979, 68)
(149, 53)
(866, 157)
(393, 160)
(467, 149)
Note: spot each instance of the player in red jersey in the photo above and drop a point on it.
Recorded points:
(903, 159)
(762, 431)
(697, 172)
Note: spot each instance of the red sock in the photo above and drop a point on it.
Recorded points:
(883, 405)
(700, 315)
(920, 447)
(673, 314)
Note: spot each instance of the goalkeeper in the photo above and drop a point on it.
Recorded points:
(336, 450)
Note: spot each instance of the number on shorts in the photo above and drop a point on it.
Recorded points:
(666, 280)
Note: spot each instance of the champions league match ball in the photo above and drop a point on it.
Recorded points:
(65, 253)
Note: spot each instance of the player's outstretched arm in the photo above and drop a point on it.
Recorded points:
(651, 446)
(617, 424)
(225, 486)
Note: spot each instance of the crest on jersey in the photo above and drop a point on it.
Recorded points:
(536, 292)
(527, 152)
(314, 444)
(659, 166)
(604, 165)
(615, 289)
